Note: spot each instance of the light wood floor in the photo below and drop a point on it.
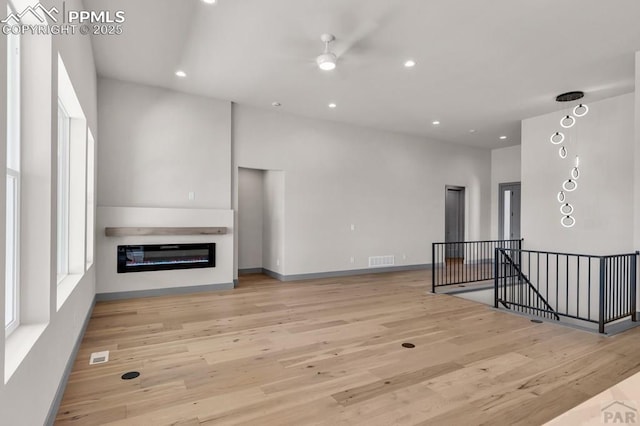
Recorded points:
(329, 352)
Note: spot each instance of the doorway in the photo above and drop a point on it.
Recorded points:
(250, 219)
(454, 221)
(509, 211)
(260, 226)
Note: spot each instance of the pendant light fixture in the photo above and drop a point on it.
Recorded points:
(558, 138)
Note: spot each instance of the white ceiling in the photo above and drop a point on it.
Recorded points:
(482, 65)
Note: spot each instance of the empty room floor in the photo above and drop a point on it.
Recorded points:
(330, 352)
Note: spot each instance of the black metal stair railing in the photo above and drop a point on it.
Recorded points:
(514, 291)
(595, 289)
(465, 261)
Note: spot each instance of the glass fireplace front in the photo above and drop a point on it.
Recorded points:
(161, 257)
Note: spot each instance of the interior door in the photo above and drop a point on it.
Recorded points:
(509, 209)
(454, 221)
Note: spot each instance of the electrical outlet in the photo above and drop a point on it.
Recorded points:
(404, 257)
(353, 227)
(353, 259)
(277, 262)
(192, 196)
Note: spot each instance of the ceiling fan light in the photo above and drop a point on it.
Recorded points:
(326, 61)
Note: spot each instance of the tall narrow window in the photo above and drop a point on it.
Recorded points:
(12, 268)
(71, 191)
(63, 192)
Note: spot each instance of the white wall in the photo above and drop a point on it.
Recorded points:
(273, 241)
(603, 201)
(27, 395)
(250, 218)
(159, 145)
(390, 186)
(505, 168)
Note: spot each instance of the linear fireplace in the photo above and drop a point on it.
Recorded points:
(161, 257)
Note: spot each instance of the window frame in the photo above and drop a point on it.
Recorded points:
(63, 192)
(12, 236)
(13, 244)
(90, 200)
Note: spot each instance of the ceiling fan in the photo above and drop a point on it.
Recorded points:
(327, 60)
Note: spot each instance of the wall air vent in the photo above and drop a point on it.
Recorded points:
(381, 261)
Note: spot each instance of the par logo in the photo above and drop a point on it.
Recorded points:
(620, 413)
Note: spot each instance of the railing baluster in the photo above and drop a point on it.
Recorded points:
(547, 277)
(633, 288)
(495, 281)
(602, 301)
(578, 289)
(619, 285)
(614, 287)
(557, 284)
(566, 294)
(589, 290)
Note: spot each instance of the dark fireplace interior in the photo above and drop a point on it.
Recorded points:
(162, 257)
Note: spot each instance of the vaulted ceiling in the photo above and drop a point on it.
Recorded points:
(481, 65)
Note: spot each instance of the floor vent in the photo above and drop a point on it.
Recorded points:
(99, 358)
(380, 261)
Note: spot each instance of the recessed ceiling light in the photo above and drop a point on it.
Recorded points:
(332, 105)
(435, 123)
(503, 137)
(209, 1)
(181, 74)
(472, 131)
(276, 104)
(410, 63)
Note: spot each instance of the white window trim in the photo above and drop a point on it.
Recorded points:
(90, 201)
(13, 325)
(14, 246)
(62, 243)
